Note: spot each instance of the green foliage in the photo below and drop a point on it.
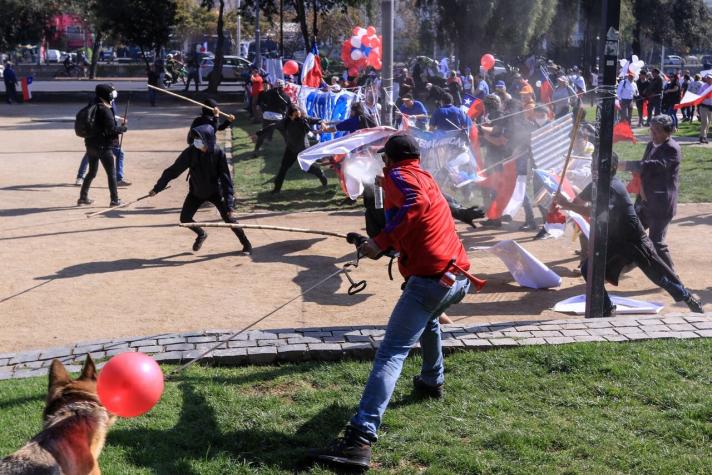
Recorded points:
(25, 21)
(145, 23)
(583, 408)
(681, 24)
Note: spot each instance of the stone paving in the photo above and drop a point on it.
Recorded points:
(361, 342)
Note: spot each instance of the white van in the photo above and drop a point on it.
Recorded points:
(52, 56)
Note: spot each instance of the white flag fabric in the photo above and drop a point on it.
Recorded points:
(526, 269)
(517, 199)
(344, 145)
(577, 305)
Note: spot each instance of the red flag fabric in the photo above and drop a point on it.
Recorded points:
(645, 108)
(477, 109)
(634, 185)
(690, 99)
(502, 181)
(623, 132)
(547, 94)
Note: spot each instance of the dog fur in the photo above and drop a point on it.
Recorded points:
(74, 429)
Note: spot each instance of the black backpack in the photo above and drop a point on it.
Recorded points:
(85, 122)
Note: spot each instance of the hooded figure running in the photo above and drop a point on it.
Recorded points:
(209, 180)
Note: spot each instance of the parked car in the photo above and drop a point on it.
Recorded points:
(107, 54)
(706, 61)
(53, 56)
(235, 68)
(674, 60)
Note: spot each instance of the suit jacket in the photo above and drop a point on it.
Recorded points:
(659, 175)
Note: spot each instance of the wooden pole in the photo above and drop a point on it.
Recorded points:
(187, 99)
(125, 205)
(261, 226)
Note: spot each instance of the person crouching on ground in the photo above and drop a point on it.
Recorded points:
(99, 146)
(421, 229)
(209, 180)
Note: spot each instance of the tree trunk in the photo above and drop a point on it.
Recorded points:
(216, 73)
(302, 18)
(95, 54)
(315, 29)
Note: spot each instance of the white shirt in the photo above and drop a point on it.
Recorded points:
(627, 89)
(579, 83)
(704, 90)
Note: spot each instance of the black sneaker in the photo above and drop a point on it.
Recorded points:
(425, 389)
(609, 311)
(199, 241)
(506, 218)
(115, 203)
(247, 249)
(492, 223)
(352, 450)
(694, 304)
(323, 181)
(84, 201)
(542, 234)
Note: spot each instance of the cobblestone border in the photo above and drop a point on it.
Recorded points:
(334, 343)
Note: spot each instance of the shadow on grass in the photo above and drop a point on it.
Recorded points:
(198, 433)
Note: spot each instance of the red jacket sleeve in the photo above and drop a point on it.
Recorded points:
(405, 203)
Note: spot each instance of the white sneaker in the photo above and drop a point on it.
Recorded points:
(79, 181)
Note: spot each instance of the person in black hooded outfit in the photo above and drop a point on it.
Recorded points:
(209, 180)
(99, 146)
(296, 127)
(210, 116)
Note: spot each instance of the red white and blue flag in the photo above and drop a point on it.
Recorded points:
(312, 74)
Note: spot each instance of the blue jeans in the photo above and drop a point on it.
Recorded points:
(414, 318)
(118, 153)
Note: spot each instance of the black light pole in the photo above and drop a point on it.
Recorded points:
(597, 248)
(281, 28)
(258, 46)
(387, 16)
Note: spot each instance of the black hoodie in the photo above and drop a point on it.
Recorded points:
(209, 173)
(105, 120)
(207, 117)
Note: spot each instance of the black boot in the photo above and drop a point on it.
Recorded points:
(352, 450)
(199, 241)
(694, 304)
(425, 389)
(84, 201)
(246, 244)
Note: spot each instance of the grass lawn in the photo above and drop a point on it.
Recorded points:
(254, 177)
(584, 408)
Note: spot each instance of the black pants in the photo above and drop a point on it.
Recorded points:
(642, 254)
(639, 106)
(265, 134)
(195, 78)
(288, 160)
(10, 92)
(106, 157)
(191, 205)
(654, 105)
(657, 230)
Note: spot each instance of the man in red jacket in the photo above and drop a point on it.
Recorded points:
(433, 262)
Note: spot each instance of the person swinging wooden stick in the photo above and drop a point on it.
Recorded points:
(209, 180)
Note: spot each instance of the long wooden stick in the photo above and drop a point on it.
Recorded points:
(577, 124)
(187, 99)
(261, 226)
(125, 205)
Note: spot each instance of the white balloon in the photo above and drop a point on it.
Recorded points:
(362, 31)
(356, 54)
(356, 41)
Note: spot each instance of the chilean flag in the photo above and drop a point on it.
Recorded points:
(691, 100)
(474, 106)
(312, 74)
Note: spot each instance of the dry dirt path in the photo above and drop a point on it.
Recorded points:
(65, 278)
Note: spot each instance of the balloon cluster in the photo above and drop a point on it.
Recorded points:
(362, 50)
(633, 66)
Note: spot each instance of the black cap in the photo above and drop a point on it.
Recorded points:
(103, 91)
(400, 147)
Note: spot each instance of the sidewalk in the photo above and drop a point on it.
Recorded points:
(361, 342)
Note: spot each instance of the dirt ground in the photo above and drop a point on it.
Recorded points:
(65, 278)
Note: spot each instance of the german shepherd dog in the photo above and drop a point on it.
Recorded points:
(75, 427)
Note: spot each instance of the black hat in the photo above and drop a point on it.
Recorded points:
(103, 91)
(400, 147)
(212, 103)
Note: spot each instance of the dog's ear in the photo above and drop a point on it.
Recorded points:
(89, 370)
(58, 374)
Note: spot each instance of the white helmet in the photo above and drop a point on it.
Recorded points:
(169, 56)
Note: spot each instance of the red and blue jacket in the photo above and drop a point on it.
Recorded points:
(418, 222)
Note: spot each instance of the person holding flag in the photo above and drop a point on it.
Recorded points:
(413, 110)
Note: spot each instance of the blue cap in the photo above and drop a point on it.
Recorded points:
(500, 84)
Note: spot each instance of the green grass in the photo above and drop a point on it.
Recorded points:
(254, 177)
(584, 408)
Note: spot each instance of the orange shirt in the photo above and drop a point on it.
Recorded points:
(257, 84)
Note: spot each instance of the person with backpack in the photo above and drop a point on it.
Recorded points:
(209, 180)
(96, 123)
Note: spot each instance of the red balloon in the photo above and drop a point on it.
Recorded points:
(353, 71)
(377, 65)
(487, 61)
(370, 31)
(290, 67)
(356, 30)
(366, 41)
(130, 384)
(373, 57)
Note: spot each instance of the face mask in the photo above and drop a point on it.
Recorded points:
(197, 143)
(114, 94)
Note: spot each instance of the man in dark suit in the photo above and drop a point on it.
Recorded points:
(659, 175)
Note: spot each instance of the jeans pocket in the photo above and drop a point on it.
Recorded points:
(428, 292)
